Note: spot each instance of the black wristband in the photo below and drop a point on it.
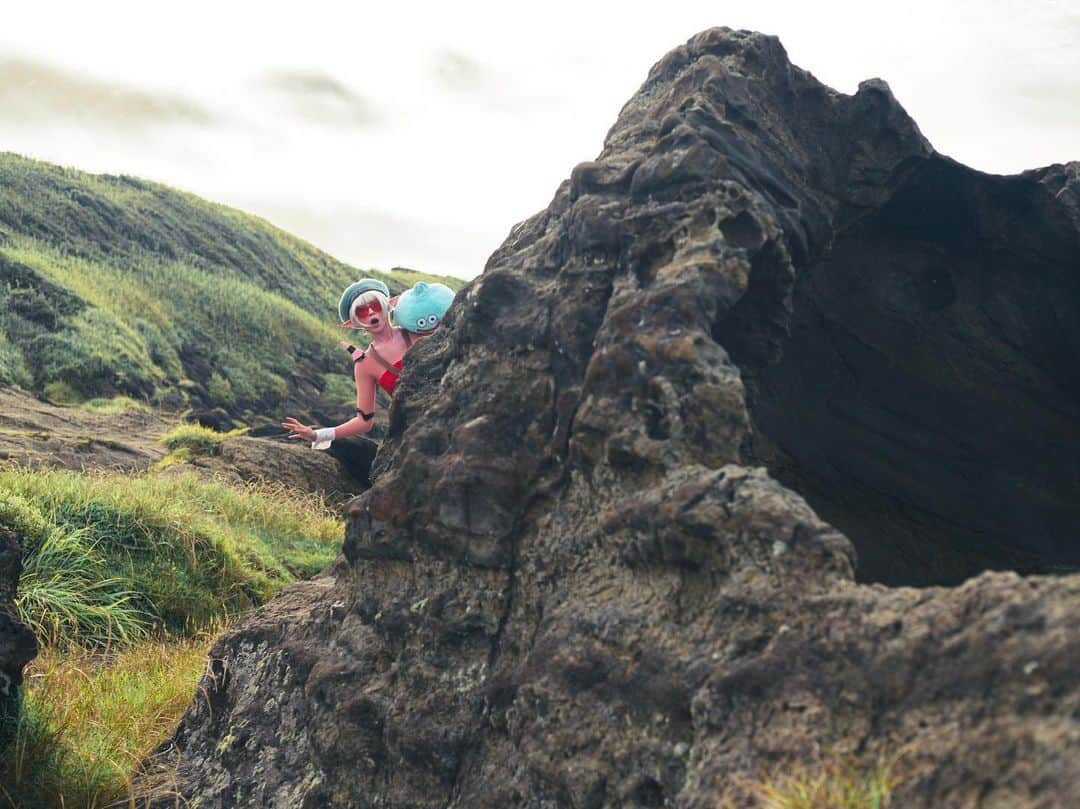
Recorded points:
(365, 416)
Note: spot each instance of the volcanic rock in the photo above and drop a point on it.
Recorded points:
(278, 461)
(214, 418)
(586, 574)
(17, 644)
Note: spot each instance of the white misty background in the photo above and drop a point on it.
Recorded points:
(418, 134)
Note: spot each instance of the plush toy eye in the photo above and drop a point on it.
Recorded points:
(433, 320)
(421, 323)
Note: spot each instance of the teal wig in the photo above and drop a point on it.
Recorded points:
(354, 291)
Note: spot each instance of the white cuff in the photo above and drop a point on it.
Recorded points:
(324, 436)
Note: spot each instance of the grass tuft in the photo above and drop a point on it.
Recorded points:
(115, 406)
(198, 440)
(61, 392)
(20, 515)
(68, 597)
(832, 785)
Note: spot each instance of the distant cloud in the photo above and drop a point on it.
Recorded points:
(33, 93)
(457, 71)
(1045, 91)
(1049, 102)
(502, 90)
(320, 98)
(369, 237)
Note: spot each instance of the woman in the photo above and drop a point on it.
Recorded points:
(364, 305)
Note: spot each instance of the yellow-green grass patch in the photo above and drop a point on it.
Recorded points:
(90, 719)
(832, 784)
(197, 439)
(115, 406)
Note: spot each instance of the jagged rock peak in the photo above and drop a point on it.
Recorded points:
(573, 584)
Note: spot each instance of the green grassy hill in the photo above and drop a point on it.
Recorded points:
(118, 286)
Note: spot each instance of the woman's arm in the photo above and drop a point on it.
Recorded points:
(365, 402)
(361, 423)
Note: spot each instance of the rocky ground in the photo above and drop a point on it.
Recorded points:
(37, 434)
(586, 574)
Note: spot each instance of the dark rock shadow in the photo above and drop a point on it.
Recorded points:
(927, 401)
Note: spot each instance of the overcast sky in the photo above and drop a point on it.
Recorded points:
(394, 134)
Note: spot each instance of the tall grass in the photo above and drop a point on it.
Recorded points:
(88, 720)
(125, 579)
(179, 549)
(68, 596)
(138, 325)
(123, 220)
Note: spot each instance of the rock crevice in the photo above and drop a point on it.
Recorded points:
(929, 357)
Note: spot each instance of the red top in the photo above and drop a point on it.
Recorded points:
(388, 380)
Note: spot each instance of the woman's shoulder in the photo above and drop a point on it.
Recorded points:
(363, 364)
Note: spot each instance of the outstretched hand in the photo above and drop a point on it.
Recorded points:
(298, 430)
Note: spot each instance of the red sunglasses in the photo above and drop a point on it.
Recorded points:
(366, 310)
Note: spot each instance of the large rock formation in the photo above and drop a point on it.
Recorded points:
(574, 585)
(17, 644)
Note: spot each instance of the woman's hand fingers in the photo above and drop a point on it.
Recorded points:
(298, 430)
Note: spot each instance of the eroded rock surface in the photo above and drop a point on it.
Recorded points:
(17, 644)
(572, 585)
